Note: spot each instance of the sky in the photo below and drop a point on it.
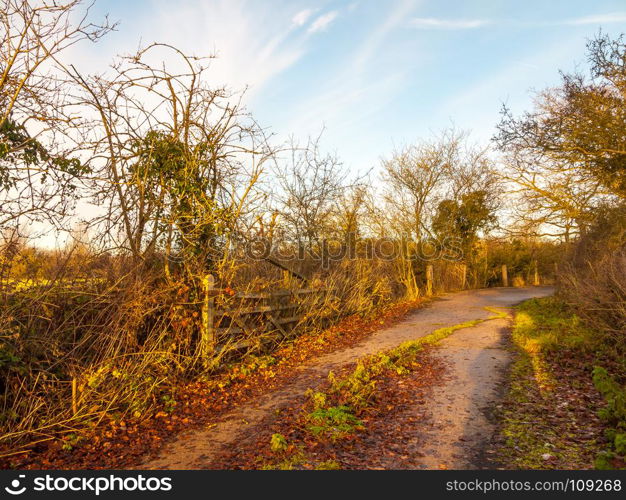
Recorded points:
(374, 74)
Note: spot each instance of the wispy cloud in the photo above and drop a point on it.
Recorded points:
(465, 24)
(396, 17)
(323, 22)
(252, 41)
(351, 97)
(448, 24)
(302, 17)
(478, 104)
(615, 17)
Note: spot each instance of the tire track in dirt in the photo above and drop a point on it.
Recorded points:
(197, 448)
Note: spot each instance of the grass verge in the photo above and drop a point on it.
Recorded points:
(554, 417)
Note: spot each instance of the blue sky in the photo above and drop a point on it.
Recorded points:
(373, 73)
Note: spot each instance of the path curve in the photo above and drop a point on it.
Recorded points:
(197, 448)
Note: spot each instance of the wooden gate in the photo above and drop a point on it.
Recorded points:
(252, 321)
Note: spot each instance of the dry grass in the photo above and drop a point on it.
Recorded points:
(74, 351)
(87, 341)
(597, 291)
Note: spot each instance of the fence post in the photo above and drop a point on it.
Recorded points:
(463, 276)
(505, 276)
(207, 339)
(429, 280)
(556, 272)
(536, 277)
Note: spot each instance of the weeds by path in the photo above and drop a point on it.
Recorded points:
(117, 443)
(322, 431)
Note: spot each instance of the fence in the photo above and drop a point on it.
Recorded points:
(254, 321)
(453, 277)
(236, 321)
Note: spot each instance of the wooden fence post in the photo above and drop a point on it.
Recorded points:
(556, 272)
(207, 339)
(429, 280)
(463, 276)
(505, 276)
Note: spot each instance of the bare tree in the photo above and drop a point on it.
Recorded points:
(36, 170)
(567, 156)
(309, 183)
(549, 198)
(351, 212)
(416, 177)
(174, 160)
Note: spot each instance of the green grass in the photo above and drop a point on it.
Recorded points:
(335, 422)
(546, 325)
(614, 414)
(546, 335)
(545, 328)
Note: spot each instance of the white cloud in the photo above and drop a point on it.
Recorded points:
(302, 17)
(323, 22)
(356, 90)
(615, 17)
(448, 24)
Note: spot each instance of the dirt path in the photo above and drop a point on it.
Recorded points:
(475, 355)
(457, 411)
